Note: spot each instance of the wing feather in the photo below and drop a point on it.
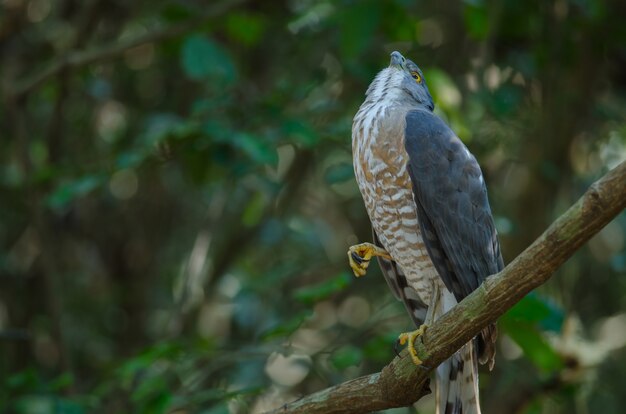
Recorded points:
(452, 208)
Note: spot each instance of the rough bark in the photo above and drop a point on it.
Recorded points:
(400, 383)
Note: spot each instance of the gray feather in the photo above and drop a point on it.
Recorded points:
(453, 210)
(452, 203)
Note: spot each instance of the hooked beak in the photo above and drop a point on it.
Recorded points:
(397, 60)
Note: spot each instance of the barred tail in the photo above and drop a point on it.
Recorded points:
(457, 383)
(457, 377)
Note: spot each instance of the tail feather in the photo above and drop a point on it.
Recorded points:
(457, 383)
(457, 377)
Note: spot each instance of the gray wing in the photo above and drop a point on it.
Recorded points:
(453, 211)
(400, 287)
(452, 205)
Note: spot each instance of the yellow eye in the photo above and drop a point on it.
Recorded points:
(416, 76)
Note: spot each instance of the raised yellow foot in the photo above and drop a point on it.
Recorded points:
(409, 339)
(360, 255)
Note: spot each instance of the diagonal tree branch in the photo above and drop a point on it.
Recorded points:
(400, 383)
(115, 49)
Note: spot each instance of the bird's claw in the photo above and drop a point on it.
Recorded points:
(359, 257)
(409, 338)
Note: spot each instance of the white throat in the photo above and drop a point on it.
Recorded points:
(385, 86)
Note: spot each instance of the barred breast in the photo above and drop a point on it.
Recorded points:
(380, 165)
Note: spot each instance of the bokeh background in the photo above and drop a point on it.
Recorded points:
(177, 196)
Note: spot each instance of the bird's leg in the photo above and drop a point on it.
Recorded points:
(360, 255)
(434, 304)
(410, 337)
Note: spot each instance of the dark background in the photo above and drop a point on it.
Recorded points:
(175, 210)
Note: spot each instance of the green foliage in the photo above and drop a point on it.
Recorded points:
(315, 293)
(300, 132)
(339, 173)
(255, 147)
(26, 393)
(537, 310)
(378, 348)
(347, 356)
(246, 28)
(175, 214)
(476, 20)
(203, 59)
(535, 347)
(523, 324)
(72, 190)
(286, 326)
(357, 24)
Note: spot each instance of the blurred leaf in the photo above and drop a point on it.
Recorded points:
(534, 407)
(11, 175)
(618, 262)
(286, 327)
(160, 403)
(315, 293)
(204, 397)
(535, 347)
(152, 395)
(506, 99)
(445, 92)
(358, 22)
(175, 12)
(203, 59)
(476, 20)
(346, 356)
(529, 309)
(148, 387)
(522, 324)
(254, 210)
(64, 406)
(129, 159)
(26, 379)
(158, 127)
(134, 366)
(380, 348)
(247, 28)
(39, 404)
(339, 173)
(535, 309)
(301, 132)
(68, 192)
(259, 150)
(217, 130)
(62, 382)
(218, 409)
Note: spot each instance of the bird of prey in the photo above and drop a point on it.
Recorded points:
(433, 232)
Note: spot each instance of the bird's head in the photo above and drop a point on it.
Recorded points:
(402, 82)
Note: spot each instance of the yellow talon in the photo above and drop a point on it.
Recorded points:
(409, 339)
(360, 255)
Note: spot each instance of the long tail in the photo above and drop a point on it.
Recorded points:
(457, 383)
(457, 377)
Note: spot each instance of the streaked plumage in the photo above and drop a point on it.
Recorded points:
(427, 201)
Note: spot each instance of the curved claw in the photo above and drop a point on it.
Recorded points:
(397, 347)
(360, 255)
(358, 259)
(409, 338)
